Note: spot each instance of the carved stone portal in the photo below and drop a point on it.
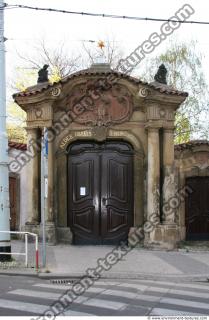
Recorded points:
(99, 106)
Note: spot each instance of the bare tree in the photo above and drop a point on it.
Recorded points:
(61, 62)
(57, 58)
(112, 52)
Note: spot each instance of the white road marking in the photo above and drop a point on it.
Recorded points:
(185, 303)
(44, 295)
(53, 286)
(105, 304)
(120, 293)
(107, 283)
(36, 294)
(115, 305)
(195, 294)
(170, 312)
(156, 289)
(134, 285)
(23, 306)
(77, 313)
(65, 288)
(147, 298)
(95, 290)
(176, 284)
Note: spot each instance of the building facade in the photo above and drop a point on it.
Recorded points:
(111, 162)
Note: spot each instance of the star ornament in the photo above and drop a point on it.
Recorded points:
(101, 44)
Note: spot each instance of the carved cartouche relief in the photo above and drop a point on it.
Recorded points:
(92, 104)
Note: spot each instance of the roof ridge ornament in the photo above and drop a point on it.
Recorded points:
(100, 67)
(161, 74)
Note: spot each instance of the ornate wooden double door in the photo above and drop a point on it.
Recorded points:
(100, 192)
(197, 209)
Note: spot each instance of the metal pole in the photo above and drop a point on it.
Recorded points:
(43, 203)
(5, 244)
(26, 250)
(45, 184)
(37, 254)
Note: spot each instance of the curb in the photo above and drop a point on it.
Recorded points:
(18, 273)
(127, 276)
(115, 276)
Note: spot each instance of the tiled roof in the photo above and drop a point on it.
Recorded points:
(91, 72)
(18, 146)
(190, 144)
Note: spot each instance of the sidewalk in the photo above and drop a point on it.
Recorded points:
(72, 261)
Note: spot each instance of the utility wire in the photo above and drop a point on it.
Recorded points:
(103, 15)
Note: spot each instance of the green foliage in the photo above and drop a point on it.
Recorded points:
(16, 134)
(15, 112)
(25, 78)
(185, 73)
(182, 129)
(28, 77)
(55, 75)
(16, 123)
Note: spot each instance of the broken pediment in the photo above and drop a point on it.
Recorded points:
(99, 97)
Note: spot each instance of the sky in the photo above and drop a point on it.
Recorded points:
(24, 27)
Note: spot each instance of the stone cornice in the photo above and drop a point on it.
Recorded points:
(166, 126)
(167, 101)
(108, 74)
(49, 96)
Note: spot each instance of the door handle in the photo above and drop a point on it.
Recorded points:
(104, 200)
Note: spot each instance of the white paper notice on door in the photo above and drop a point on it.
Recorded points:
(82, 191)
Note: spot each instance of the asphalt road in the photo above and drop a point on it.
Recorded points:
(29, 296)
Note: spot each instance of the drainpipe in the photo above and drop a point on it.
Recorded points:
(5, 244)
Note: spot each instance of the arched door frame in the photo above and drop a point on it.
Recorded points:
(111, 134)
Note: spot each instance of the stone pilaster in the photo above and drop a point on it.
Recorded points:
(33, 178)
(168, 147)
(153, 206)
(169, 186)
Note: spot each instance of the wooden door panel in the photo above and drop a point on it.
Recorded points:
(116, 209)
(116, 219)
(117, 175)
(83, 220)
(197, 209)
(84, 188)
(82, 172)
